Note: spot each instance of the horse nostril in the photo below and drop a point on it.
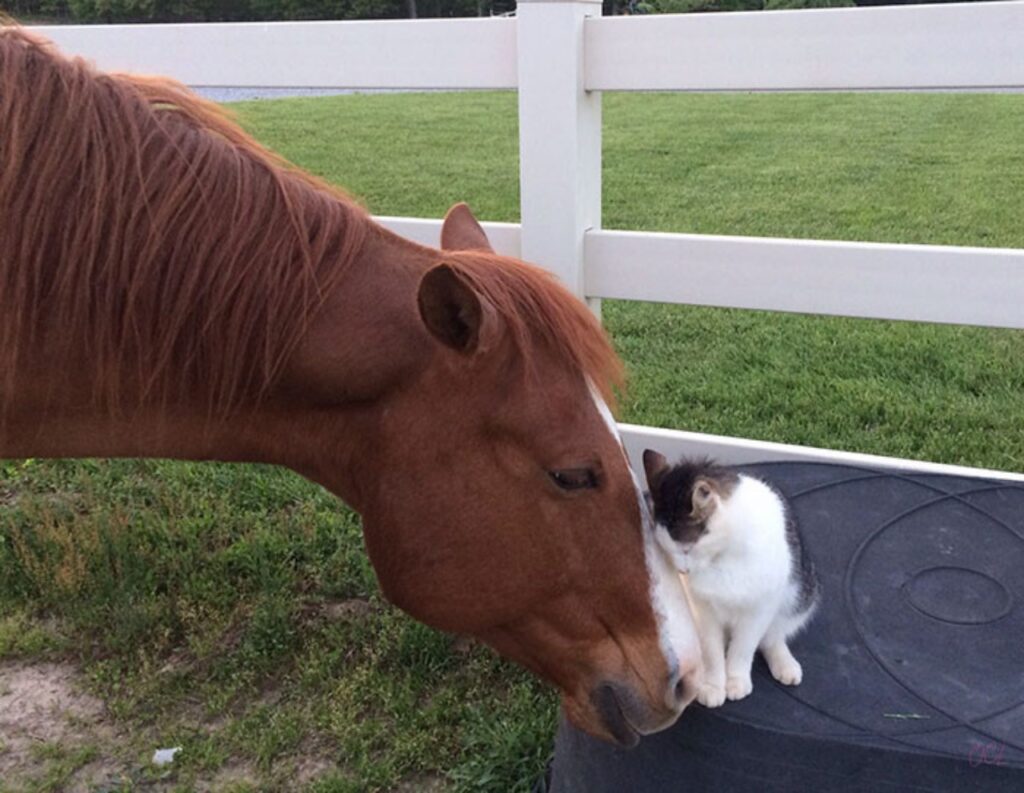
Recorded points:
(680, 690)
(685, 688)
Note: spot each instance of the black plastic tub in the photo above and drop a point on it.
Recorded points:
(913, 665)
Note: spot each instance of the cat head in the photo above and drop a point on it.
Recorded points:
(685, 499)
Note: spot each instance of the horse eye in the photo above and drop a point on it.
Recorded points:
(574, 478)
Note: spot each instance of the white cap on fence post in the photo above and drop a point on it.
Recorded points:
(559, 137)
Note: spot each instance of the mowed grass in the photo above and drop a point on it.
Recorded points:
(231, 609)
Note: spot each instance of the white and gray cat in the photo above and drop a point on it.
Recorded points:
(736, 539)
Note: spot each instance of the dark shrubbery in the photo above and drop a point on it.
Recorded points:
(260, 10)
(685, 6)
(239, 10)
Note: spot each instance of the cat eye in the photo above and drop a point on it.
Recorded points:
(574, 478)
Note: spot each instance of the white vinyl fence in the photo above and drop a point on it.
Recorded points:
(560, 55)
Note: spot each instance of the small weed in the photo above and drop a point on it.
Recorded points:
(23, 636)
(59, 765)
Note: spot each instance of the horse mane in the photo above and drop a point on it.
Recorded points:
(538, 310)
(141, 224)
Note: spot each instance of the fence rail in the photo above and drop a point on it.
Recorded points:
(967, 45)
(920, 283)
(455, 53)
(561, 54)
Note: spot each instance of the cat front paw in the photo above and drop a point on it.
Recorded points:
(738, 687)
(711, 696)
(789, 674)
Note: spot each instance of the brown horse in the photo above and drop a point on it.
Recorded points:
(170, 289)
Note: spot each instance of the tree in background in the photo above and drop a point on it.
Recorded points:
(258, 10)
(700, 6)
(239, 10)
(687, 6)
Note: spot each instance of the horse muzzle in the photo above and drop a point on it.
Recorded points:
(626, 716)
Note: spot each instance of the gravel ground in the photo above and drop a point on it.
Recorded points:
(43, 706)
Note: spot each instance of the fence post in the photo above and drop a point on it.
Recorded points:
(559, 138)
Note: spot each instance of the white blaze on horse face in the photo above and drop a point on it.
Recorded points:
(677, 631)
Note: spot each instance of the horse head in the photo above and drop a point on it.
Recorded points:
(456, 398)
(502, 504)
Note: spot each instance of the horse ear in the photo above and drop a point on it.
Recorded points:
(655, 466)
(453, 312)
(461, 231)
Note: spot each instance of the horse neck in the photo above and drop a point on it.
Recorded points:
(364, 341)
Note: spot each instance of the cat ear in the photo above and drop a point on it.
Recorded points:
(655, 466)
(705, 498)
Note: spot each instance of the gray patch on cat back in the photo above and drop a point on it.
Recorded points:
(803, 573)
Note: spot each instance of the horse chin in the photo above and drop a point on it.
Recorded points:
(614, 714)
(617, 727)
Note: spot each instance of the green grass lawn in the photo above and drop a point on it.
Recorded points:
(231, 610)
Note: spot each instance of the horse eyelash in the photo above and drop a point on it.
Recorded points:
(565, 479)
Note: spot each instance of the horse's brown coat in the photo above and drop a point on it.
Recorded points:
(169, 288)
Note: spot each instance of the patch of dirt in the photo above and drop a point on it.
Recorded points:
(312, 761)
(229, 776)
(42, 704)
(309, 769)
(422, 783)
(354, 608)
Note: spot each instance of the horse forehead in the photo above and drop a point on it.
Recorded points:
(548, 401)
